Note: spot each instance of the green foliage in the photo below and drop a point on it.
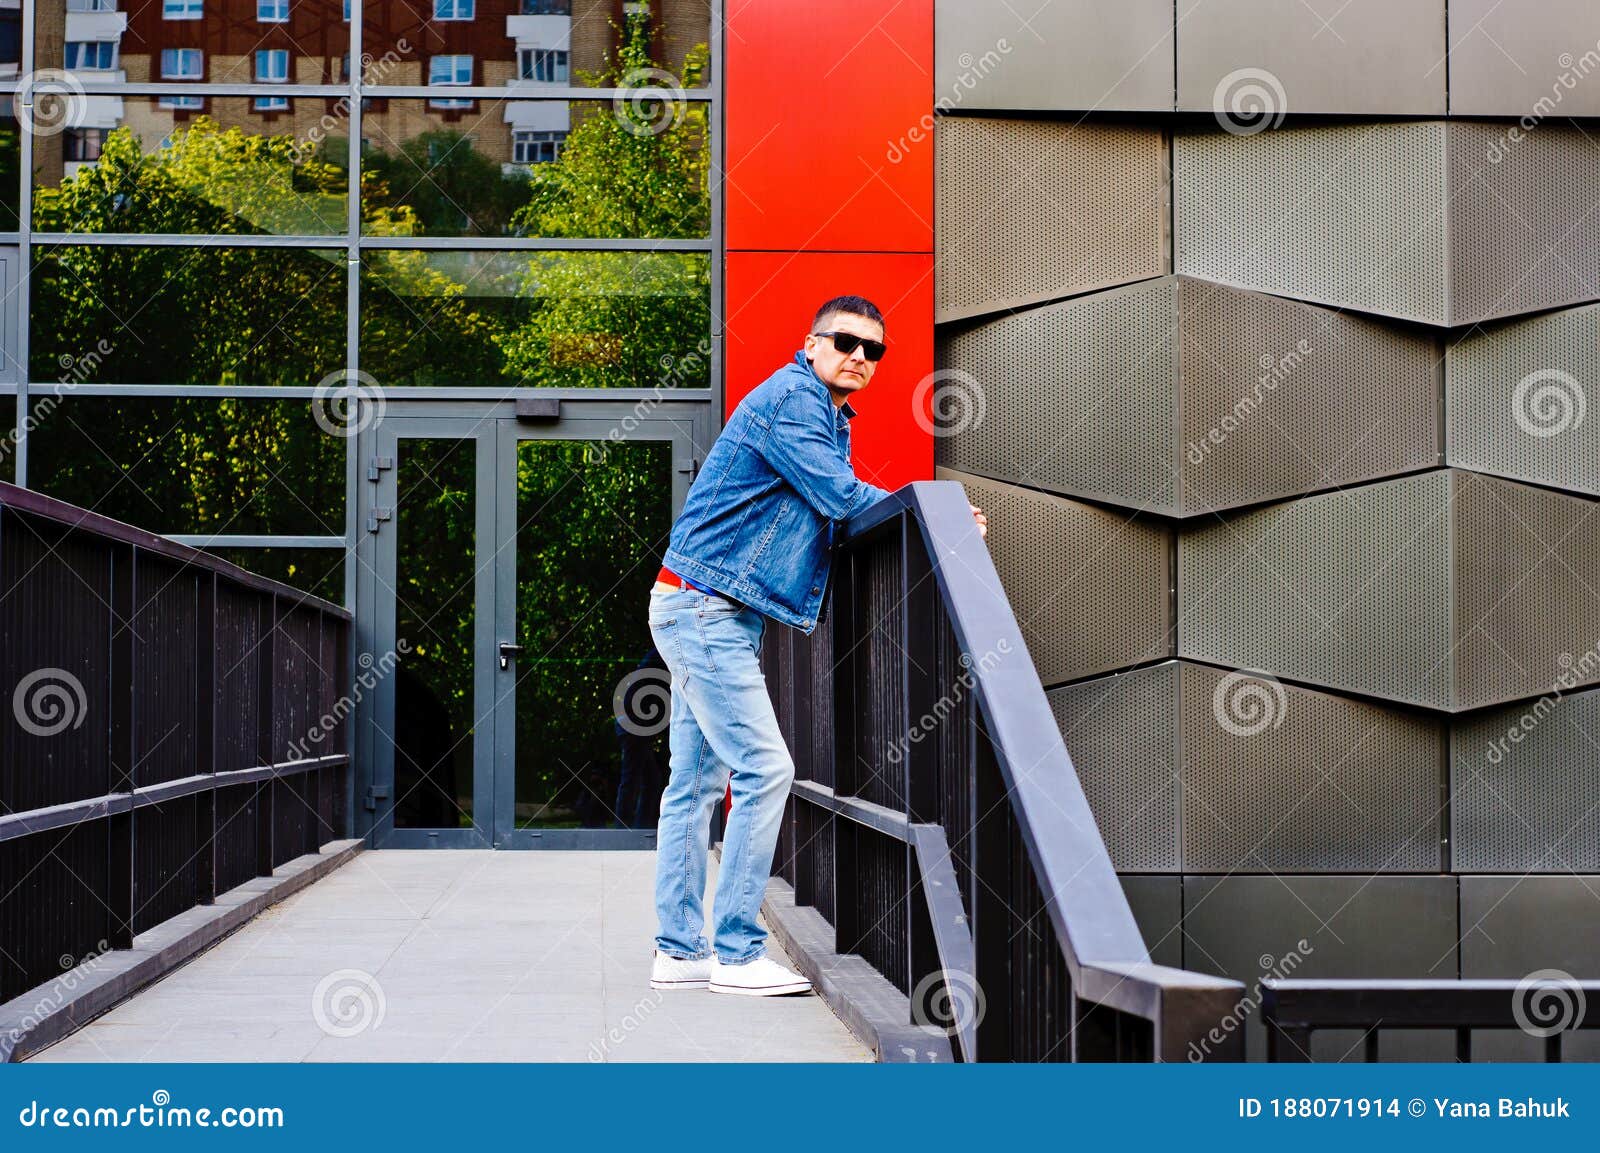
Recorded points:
(234, 465)
(450, 188)
(639, 169)
(591, 521)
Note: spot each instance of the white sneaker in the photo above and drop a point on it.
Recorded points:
(679, 972)
(762, 977)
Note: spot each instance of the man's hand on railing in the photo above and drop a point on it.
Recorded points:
(983, 521)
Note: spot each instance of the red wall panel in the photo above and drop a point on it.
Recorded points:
(827, 192)
(821, 98)
(771, 298)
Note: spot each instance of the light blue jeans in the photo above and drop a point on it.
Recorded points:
(723, 724)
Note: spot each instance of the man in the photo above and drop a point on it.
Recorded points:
(753, 541)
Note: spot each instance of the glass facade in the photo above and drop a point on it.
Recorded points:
(220, 222)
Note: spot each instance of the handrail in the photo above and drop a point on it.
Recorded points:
(38, 504)
(1542, 1007)
(1121, 1006)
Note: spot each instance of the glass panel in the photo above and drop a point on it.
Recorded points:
(592, 518)
(584, 43)
(575, 319)
(318, 571)
(11, 161)
(547, 168)
(434, 616)
(229, 316)
(218, 165)
(8, 446)
(224, 33)
(235, 466)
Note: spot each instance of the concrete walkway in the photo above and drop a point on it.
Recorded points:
(454, 955)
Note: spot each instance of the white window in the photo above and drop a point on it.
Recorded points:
(194, 102)
(91, 5)
(272, 11)
(92, 55)
(272, 67)
(181, 9)
(449, 70)
(182, 63)
(546, 64)
(530, 147)
(452, 9)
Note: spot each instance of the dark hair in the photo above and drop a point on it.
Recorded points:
(854, 305)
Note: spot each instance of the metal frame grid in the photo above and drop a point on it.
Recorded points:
(354, 243)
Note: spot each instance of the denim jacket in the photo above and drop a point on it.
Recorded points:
(759, 522)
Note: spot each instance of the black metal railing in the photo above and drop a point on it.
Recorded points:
(1547, 1009)
(937, 822)
(170, 728)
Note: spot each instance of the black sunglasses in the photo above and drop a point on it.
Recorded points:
(847, 342)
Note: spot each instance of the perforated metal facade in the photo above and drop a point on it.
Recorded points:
(1448, 589)
(1122, 734)
(1090, 587)
(1518, 400)
(1179, 396)
(1200, 769)
(1433, 221)
(1027, 211)
(1525, 786)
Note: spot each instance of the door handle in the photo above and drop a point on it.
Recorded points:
(507, 651)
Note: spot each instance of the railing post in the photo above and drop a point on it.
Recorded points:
(266, 789)
(992, 918)
(121, 775)
(926, 698)
(205, 744)
(846, 708)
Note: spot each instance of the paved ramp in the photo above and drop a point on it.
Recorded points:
(454, 955)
